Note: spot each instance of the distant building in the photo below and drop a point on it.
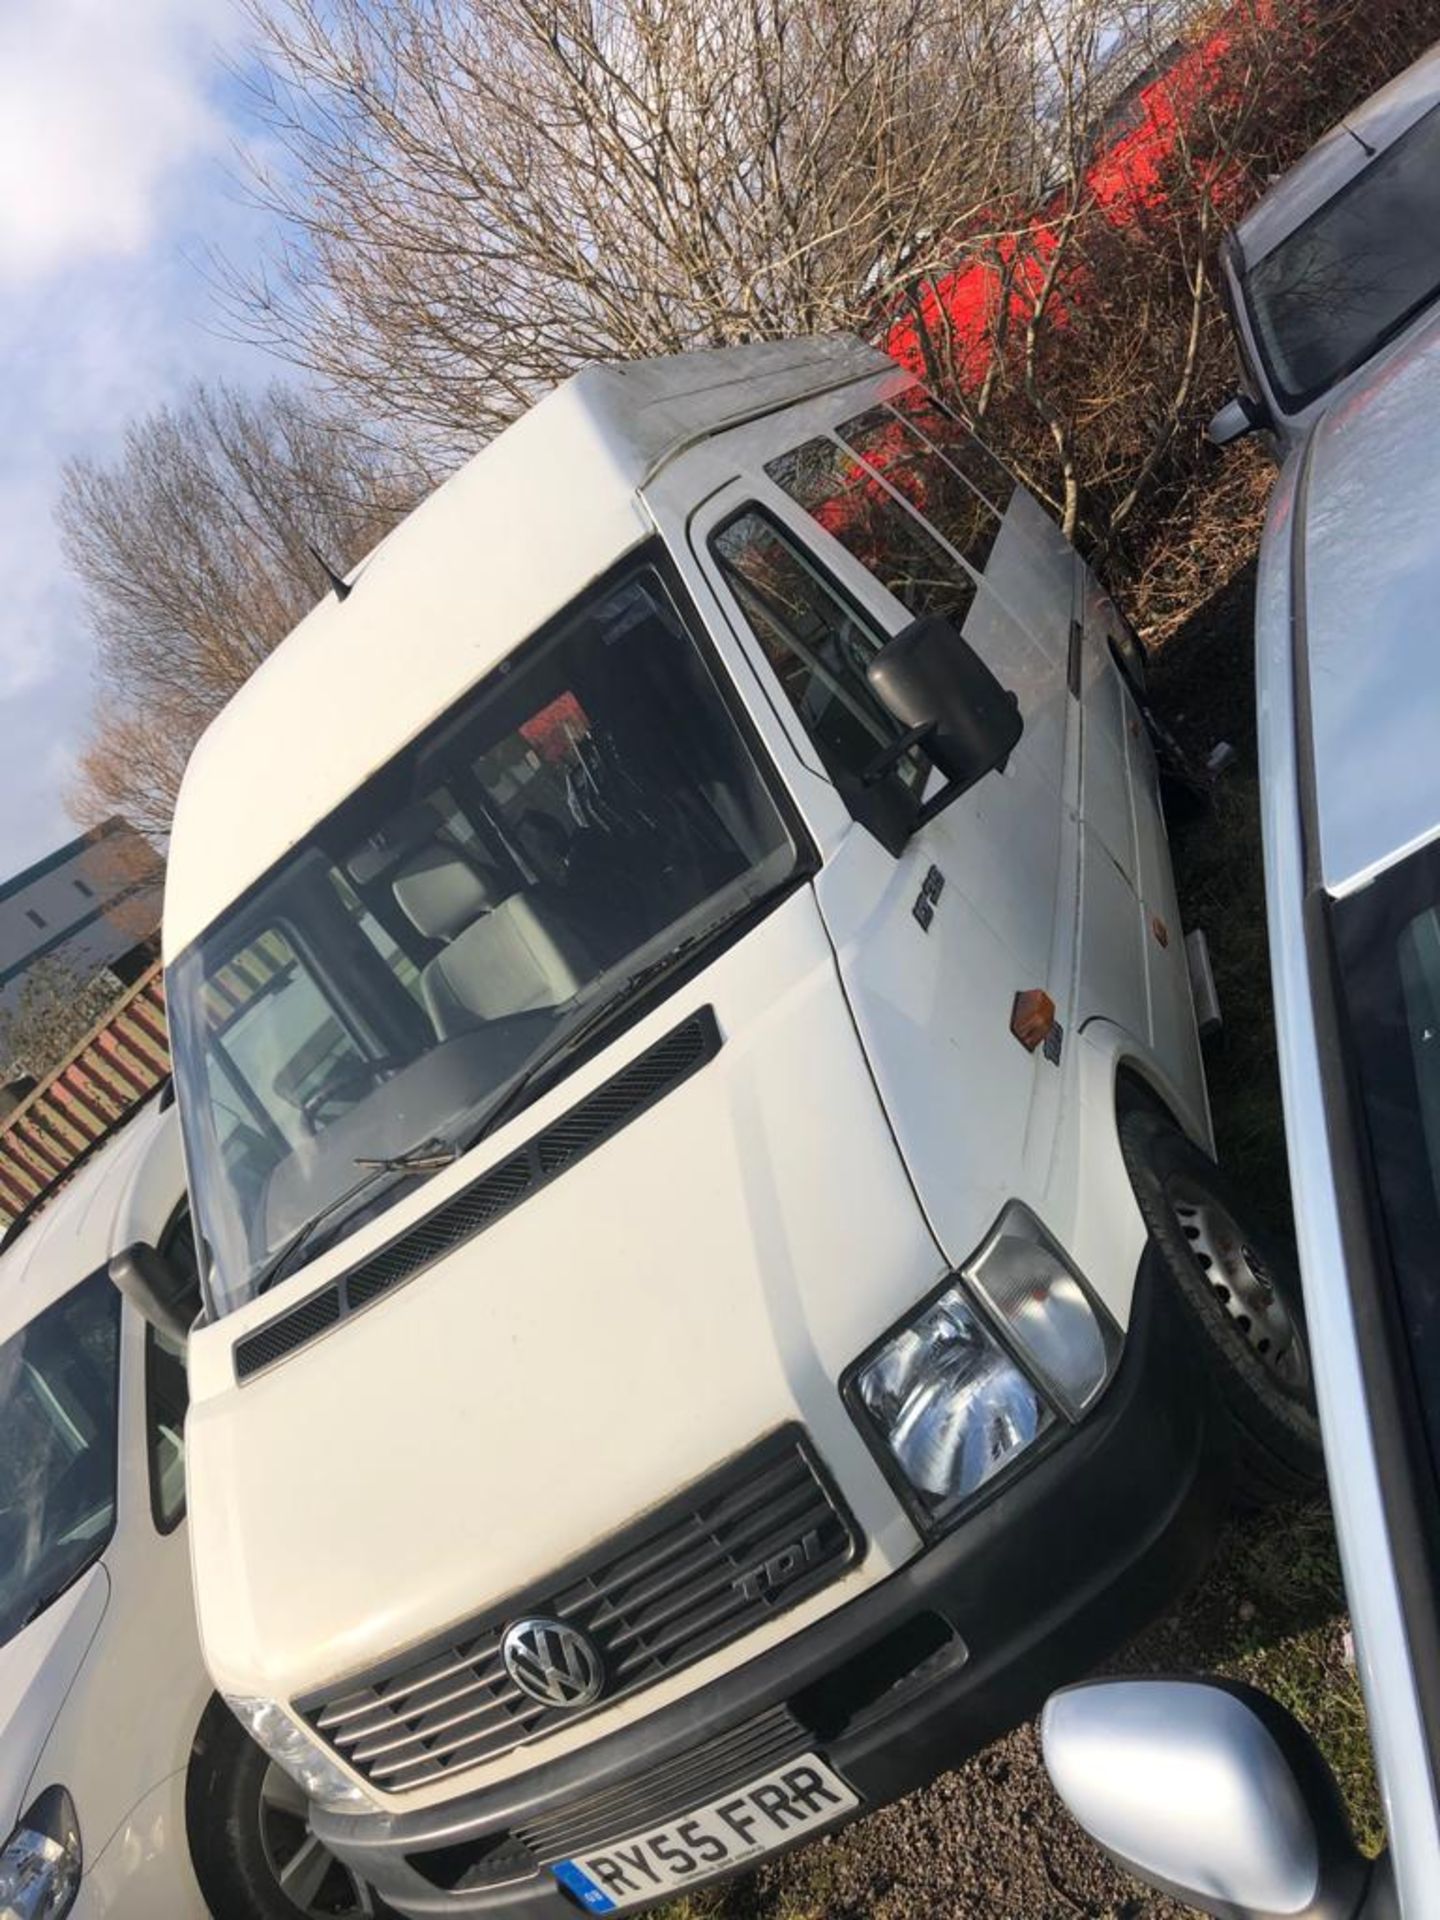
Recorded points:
(93, 905)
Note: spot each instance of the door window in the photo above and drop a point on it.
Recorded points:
(166, 1399)
(847, 499)
(59, 1403)
(284, 1040)
(926, 480)
(167, 1393)
(818, 646)
(961, 449)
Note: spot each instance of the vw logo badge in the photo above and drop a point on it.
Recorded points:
(553, 1663)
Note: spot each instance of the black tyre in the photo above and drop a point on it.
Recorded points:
(254, 1854)
(1243, 1293)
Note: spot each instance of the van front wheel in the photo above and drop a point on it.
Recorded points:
(250, 1840)
(1242, 1291)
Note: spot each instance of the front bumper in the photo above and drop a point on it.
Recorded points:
(1062, 1566)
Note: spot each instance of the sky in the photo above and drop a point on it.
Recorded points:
(123, 136)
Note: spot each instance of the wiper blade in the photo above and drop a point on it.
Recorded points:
(429, 1158)
(61, 1587)
(426, 1157)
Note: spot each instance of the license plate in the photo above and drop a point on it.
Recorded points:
(795, 1799)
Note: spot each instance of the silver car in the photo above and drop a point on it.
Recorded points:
(1211, 1790)
(1337, 263)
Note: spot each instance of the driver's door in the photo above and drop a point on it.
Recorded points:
(815, 559)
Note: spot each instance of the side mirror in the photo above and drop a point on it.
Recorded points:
(1211, 1793)
(943, 694)
(1235, 419)
(157, 1289)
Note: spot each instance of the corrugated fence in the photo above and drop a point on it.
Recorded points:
(122, 1059)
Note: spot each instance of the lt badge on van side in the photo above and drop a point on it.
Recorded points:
(931, 887)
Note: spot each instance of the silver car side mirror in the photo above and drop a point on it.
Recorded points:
(1235, 419)
(1212, 1793)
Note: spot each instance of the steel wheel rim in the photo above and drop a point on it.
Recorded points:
(308, 1875)
(1242, 1285)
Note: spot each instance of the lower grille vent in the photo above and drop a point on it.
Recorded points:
(691, 1780)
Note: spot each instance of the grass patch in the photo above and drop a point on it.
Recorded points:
(1221, 883)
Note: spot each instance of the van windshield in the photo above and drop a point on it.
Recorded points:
(582, 816)
(1356, 272)
(59, 1402)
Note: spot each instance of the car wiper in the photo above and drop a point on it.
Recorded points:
(428, 1156)
(61, 1587)
(526, 1084)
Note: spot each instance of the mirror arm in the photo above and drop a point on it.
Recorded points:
(952, 789)
(892, 755)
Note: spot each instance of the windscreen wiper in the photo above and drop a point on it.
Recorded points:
(428, 1156)
(61, 1587)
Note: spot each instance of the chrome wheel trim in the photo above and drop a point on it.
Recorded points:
(1242, 1285)
(308, 1875)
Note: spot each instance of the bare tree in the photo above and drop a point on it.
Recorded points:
(198, 551)
(483, 195)
(479, 196)
(1104, 343)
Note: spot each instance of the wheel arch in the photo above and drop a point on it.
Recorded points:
(1141, 1086)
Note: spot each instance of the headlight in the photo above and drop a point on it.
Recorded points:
(41, 1865)
(949, 1404)
(304, 1759)
(1023, 1277)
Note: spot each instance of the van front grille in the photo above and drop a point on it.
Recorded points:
(685, 1580)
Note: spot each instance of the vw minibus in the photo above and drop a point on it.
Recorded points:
(717, 1295)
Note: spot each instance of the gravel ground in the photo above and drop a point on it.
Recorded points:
(990, 1839)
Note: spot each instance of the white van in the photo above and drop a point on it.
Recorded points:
(714, 1273)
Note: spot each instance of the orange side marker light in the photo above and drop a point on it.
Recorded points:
(1031, 1017)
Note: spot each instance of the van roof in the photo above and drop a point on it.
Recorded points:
(505, 543)
(1336, 158)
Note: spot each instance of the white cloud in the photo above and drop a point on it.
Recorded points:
(116, 126)
(100, 100)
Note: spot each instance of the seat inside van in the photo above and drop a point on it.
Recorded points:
(503, 953)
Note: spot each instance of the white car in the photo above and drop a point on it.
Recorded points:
(127, 1790)
(1338, 262)
(691, 1091)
